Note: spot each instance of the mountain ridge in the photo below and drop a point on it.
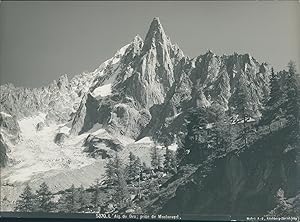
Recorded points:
(142, 79)
(144, 90)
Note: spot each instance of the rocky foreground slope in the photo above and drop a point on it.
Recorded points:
(243, 182)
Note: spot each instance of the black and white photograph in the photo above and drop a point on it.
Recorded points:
(140, 110)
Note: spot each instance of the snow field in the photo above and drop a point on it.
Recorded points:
(37, 153)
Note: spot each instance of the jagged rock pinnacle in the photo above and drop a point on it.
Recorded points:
(156, 21)
(137, 38)
(155, 34)
(209, 53)
(155, 26)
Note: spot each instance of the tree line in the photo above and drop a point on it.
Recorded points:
(117, 177)
(40, 201)
(120, 175)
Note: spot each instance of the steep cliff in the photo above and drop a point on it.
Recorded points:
(10, 134)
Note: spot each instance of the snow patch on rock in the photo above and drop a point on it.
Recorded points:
(103, 91)
(65, 130)
(145, 140)
(173, 147)
(5, 114)
(115, 59)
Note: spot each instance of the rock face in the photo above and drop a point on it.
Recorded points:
(10, 132)
(217, 78)
(154, 77)
(126, 120)
(40, 126)
(60, 138)
(56, 100)
(9, 126)
(104, 147)
(79, 119)
(59, 100)
(3, 151)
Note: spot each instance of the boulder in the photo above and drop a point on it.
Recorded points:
(39, 126)
(127, 120)
(60, 138)
(10, 126)
(3, 150)
(101, 147)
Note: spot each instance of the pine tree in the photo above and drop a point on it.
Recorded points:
(70, 201)
(82, 199)
(292, 106)
(196, 124)
(26, 200)
(121, 194)
(110, 172)
(181, 153)
(275, 91)
(144, 166)
(138, 166)
(221, 135)
(167, 160)
(273, 106)
(61, 204)
(134, 166)
(130, 168)
(155, 158)
(115, 174)
(195, 140)
(44, 199)
(170, 165)
(243, 107)
(292, 93)
(173, 161)
(96, 195)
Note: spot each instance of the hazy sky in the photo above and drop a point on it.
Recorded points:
(39, 41)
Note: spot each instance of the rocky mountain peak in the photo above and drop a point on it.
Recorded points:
(63, 78)
(136, 44)
(153, 73)
(209, 53)
(137, 39)
(63, 81)
(155, 36)
(155, 26)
